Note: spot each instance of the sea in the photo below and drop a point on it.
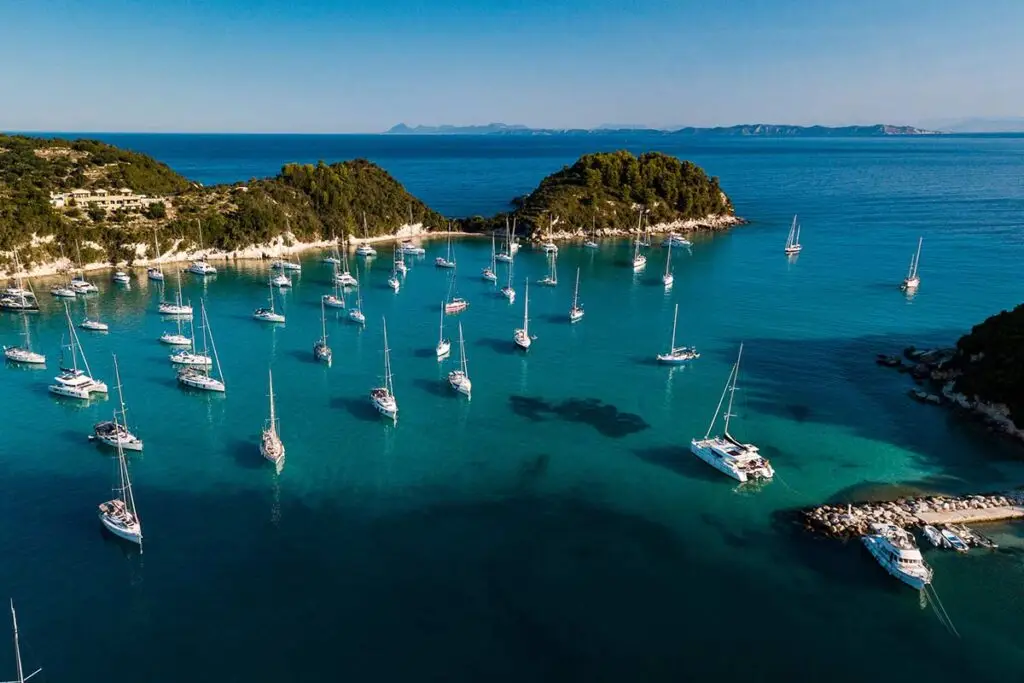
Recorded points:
(555, 527)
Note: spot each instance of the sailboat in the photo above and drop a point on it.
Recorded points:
(508, 291)
(17, 297)
(364, 249)
(506, 255)
(332, 258)
(176, 338)
(454, 304)
(24, 354)
(176, 308)
(115, 433)
(459, 379)
(271, 446)
(399, 262)
(793, 240)
(286, 264)
(677, 354)
(446, 261)
(17, 652)
(321, 351)
(73, 382)
(356, 314)
(121, 277)
(741, 461)
(335, 299)
(551, 279)
(280, 281)
(191, 356)
(913, 280)
(576, 312)
(92, 325)
(639, 260)
(119, 515)
(549, 246)
(393, 281)
(200, 266)
(668, 279)
(444, 345)
(344, 278)
(522, 336)
(489, 273)
(268, 315)
(198, 376)
(156, 272)
(591, 242)
(63, 290)
(383, 398)
(78, 281)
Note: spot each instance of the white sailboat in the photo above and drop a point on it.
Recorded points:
(356, 314)
(576, 312)
(444, 345)
(17, 652)
(115, 433)
(17, 297)
(191, 355)
(741, 461)
(550, 247)
(286, 264)
(200, 266)
(447, 261)
(551, 279)
(63, 291)
(506, 255)
(399, 262)
(454, 304)
(121, 277)
(177, 308)
(119, 515)
(280, 281)
(677, 354)
(793, 245)
(383, 398)
(591, 242)
(156, 273)
(459, 379)
(508, 291)
(271, 446)
(668, 279)
(24, 354)
(639, 260)
(913, 279)
(78, 281)
(393, 282)
(91, 325)
(73, 382)
(344, 278)
(268, 315)
(321, 351)
(332, 258)
(411, 248)
(522, 336)
(198, 376)
(364, 249)
(176, 338)
(490, 272)
(335, 299)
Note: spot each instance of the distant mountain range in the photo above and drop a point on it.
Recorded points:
(750, 130)
(978, 124)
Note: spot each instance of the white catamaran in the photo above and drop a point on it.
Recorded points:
(321, 351)
(24, 354)
(119, 515)
(444, 345)
(17, 652)
(73, 382)
(115, 433)
(198, 376)
(913, 280)
(793, 245)
(741, 461)
(345, 278)
(459, 379)
(576, 312)
(677, 354)
(271, 446)
(522, 336)
(383, 398)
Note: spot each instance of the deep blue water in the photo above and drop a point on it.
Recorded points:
(555, 527)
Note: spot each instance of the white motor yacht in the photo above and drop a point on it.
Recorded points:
(897, 552)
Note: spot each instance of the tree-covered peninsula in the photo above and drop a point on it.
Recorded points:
(989, 363)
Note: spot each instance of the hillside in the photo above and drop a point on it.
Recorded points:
(607, 190)
(990, 362)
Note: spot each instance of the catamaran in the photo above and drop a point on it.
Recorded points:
(444, 345)
(115, 433)
(198, 376)
(24, 354)
(896, 550)
(92, 325)
(576, 312)
(668, 279)
(490, 272)
(356, 314)
(335, 299)
(17, 652)
(793, 240)
(271, 446)
(364, 249)
(506, 255)
(741, 461)
(121, 277)
(321, 351)
(446, 261)
(522, 336)
(156, 272)
(268, 315)
(551, 279)
(176, 308)
(119, 515)
(200, 266)
(73, 382)
(344, 278)
(383, 398)
(459, 379)
(17, 297)
(591, 242)
(508, 291)
(454, 304)
(913, 280)
(639, 260)
(674, 239)
(677, 354)
(408, 247)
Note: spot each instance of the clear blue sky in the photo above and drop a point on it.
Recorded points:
(364, 65)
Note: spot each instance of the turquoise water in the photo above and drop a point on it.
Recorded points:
(555, 527)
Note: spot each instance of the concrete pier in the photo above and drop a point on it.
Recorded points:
(995, 514)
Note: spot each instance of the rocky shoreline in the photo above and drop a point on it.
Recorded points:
(711, 223)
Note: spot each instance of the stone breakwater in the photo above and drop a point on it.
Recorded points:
(854, 520)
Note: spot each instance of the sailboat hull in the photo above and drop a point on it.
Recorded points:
(155, 275)
(129, 532)
(385, 404)
(460, 382)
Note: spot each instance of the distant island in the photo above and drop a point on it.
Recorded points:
(745, 130)
(95, 203)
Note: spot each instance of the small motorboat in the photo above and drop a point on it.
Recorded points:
(936, 538)
(954, 541)
(121, 278)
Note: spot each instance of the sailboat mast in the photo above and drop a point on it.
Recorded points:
(668, 260)
(917, 256)
(273, 418)
(576, 292)
(270, 292)
(440, 337)
(28, 339)
(526, 311)
(120, 393)
(387, 360)
(17, 647)
(721, 400)
(462, 352)
(323, 320)
(732, 389)
(213, 344)
(675, 320)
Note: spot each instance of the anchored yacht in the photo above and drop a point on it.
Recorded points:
(897, 552)
(459, 379)
(73, 382)
(115, 433)
(383, 398)
(271, 446)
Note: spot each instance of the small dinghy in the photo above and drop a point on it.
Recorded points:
(933, 535)
(954, 541)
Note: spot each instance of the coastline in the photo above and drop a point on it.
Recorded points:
(709, 223)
